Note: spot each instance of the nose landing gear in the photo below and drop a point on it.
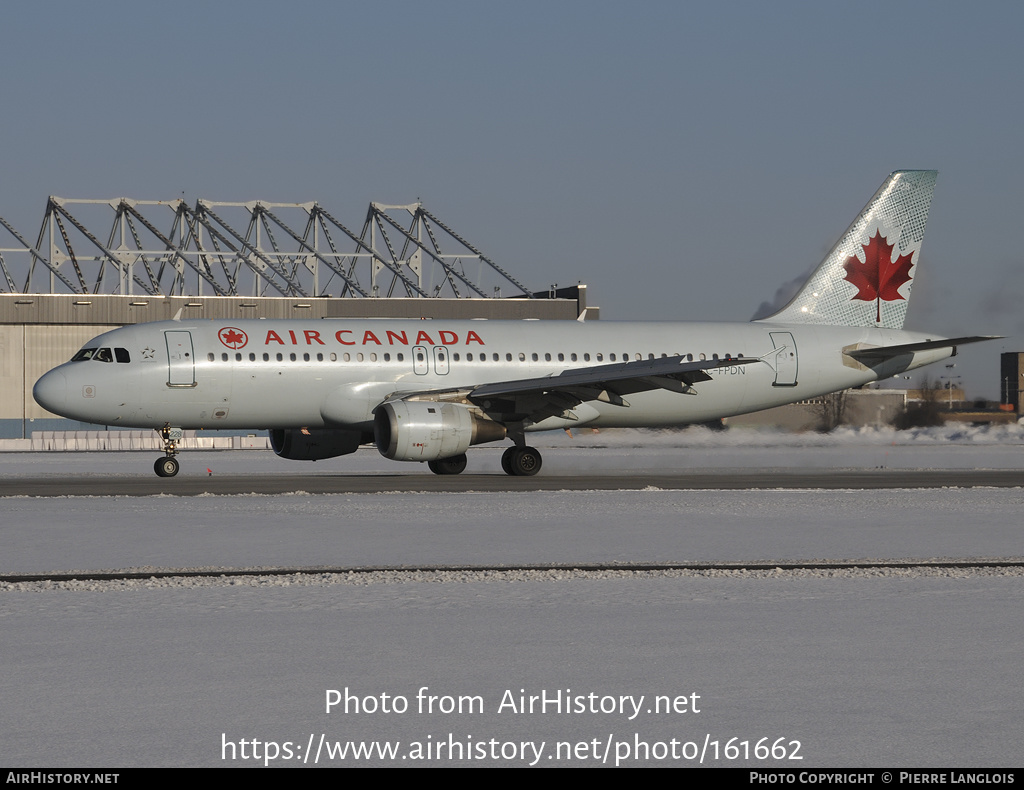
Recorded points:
(168, 465)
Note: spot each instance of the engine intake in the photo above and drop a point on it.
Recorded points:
(430, 431)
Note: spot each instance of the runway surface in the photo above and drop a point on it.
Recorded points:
(876, 667)
(725, 480)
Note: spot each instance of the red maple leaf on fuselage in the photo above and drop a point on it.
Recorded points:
(232, 338)
(878, 277)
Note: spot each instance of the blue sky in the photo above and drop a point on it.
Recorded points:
(683, 159)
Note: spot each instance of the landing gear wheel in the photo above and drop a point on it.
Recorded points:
(448, 466)
(166, 467)
(521, 461)
(506, 460)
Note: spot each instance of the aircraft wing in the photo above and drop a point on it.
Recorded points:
(546, 396)
(623, 378)
(881, 353)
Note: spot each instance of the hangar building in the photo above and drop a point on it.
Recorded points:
(229, 261)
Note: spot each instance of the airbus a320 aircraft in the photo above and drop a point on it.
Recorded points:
(429, 390)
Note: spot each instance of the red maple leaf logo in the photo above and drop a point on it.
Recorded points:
(878, 277)
(232, 338)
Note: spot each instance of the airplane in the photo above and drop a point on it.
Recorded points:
(428, 390)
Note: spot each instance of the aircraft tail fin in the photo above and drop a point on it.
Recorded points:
(866, 278)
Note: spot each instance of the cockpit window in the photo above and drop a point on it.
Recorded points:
(104, 355)
(122, 355)
(83, 354)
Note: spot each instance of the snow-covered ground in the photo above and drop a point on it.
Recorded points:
(871, 669)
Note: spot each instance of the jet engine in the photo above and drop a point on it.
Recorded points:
(430, 431)
(313, 444)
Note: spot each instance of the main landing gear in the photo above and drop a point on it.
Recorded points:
(168, 465)
(448, 466)
(516, 461)
(521, 461)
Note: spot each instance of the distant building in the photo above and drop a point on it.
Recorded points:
(860, 408)
(1011, 379)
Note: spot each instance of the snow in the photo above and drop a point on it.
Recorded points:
(879, 668)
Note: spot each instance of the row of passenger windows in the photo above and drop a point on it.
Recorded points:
(469, 357)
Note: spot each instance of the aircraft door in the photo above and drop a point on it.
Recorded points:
(181, 365)
(785, 359)
(420, 363)
(441, 360)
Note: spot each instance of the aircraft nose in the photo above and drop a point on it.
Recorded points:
(51, 392)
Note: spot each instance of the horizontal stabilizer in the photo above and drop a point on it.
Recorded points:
(888, 352)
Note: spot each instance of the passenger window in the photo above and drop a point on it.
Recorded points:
(291, 357)
(280, 357)
(266, 357)
(572, 357)
(586, 357)
(252, 357)
(238, 357)
(600, 357)
(305, 357)
(121, 354)
(400, 357)
(522, 357)
(387, 357)
(224, 357)
(534, 356)
(547, 357)
(209, 357)
(495, 357)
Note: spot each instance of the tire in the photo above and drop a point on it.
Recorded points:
(166, 467)
(525, 462)
(448, 466)
(506, 461)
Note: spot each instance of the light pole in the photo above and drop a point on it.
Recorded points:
(950, 379)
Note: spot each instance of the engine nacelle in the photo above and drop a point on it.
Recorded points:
(430, 431)
(313, 444)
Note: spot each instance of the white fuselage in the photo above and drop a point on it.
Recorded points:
(333, 373)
